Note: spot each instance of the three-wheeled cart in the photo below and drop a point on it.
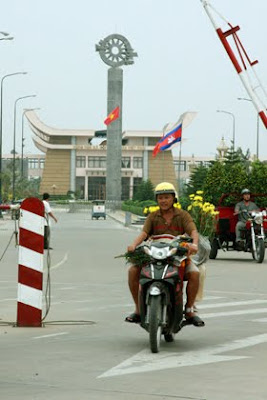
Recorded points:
(98, 209)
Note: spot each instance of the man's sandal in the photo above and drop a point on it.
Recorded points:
(133, 318)
(195, 319)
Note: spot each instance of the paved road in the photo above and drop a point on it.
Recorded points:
(87, 351)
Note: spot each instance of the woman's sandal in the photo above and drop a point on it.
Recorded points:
(195, 320)
(133, 318)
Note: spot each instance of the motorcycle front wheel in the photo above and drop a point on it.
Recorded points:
(155, 328)
(258, 255)
(214, 249)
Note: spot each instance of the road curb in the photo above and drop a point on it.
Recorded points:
(131, 226)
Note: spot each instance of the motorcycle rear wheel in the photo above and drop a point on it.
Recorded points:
(258, 255)
(155, 328)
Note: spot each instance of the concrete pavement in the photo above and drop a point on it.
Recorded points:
(87, 351)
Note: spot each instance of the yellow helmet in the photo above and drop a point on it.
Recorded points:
(166, 188)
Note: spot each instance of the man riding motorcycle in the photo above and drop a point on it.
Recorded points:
(172, 221)
(241, 209)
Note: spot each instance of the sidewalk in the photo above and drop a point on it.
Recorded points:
(120, 216)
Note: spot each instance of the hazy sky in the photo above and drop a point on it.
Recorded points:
(181, 66)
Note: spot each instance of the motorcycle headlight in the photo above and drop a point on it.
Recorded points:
(159, 254)
(258, 218)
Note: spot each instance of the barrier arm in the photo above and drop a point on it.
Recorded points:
(240, 61)
(9, 206)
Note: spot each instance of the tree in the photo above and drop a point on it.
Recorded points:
(257, 181)
(197, 178)
(233, 174)
(23, 186)
(237, 156)
(145, 191)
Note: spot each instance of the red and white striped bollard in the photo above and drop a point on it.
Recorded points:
(30, 269)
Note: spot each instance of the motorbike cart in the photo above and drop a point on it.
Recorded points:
(98, 209)
(253, 235)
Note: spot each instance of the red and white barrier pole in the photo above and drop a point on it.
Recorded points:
(30, 272)
(242, 65)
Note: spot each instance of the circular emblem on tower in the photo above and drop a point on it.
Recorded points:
(115, 50)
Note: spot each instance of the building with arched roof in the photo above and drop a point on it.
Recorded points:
(75, 160)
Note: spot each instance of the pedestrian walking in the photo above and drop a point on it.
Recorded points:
(48, 214)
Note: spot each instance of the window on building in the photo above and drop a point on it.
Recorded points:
(138, 162)
(96, 188)
(80, 161)
(125, 188)
(182, 165)
(96, 162)
(136, 183)
(152, 141)
(80, 186)
(42, 162)
(33, 163)
(126, 162)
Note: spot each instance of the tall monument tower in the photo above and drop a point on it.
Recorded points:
(116, 51)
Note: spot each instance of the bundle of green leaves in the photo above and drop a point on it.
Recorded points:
(136, 257)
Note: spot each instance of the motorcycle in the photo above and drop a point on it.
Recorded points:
(161, 288)
(253, 235)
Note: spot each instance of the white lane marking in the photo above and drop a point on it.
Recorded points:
(231, 313)
(260, 320)
(231, 304)
(51, 335)
(73, 301)
(145, 361)
(7, 300)
(64, 259)
(245, 293)
(213, 298)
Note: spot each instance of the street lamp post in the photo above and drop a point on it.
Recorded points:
(14, 143)
(22, 136)
(258, 127)
(1, 127)
(227, 112)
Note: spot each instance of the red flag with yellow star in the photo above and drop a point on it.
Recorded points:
(112, 116)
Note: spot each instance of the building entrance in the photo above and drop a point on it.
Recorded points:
(96, 188)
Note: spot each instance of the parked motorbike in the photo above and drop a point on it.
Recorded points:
(253, 235)
(161, 288)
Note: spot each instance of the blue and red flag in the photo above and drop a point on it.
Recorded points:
(171, 137)
(172, 133)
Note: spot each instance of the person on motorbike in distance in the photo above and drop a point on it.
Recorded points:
(173, 221)
(241, 209)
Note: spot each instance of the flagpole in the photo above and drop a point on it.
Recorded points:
(179, 169)
(162, 167)
(163, 155)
